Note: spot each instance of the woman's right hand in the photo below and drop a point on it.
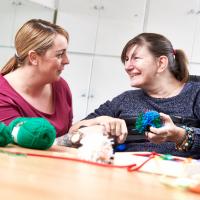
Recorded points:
(114, 127)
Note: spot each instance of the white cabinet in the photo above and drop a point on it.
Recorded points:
(77, 74)
(93, 80)
(108, 79)
(80, 19)
(7, 12)
(101, 26)
(176, 19)
(46, 3)
(30, 10)
(118, 22)
(195, 68)
(196, 44)
(98, 30)
(13, 14)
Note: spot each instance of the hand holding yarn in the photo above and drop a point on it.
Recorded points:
(145, 120)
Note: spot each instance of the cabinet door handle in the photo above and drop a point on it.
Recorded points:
(198, 12)
(91, 96)
(83, 95)
(191, 12)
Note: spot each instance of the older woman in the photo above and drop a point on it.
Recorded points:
(161, 75)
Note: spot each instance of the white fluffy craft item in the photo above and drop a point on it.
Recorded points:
(96, 146)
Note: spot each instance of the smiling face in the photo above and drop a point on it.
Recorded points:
(51, 64)
(141, 66)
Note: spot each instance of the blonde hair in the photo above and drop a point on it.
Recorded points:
(35, 34)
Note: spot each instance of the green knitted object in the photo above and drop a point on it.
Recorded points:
(145, 120)
(34, 133)
(5, 136)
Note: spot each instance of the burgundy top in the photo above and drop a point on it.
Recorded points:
(13, 105)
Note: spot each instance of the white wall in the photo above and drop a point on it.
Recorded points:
(98, 31)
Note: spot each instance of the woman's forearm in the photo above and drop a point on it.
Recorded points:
(77, 125)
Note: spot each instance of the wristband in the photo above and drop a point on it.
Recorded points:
(188, 139)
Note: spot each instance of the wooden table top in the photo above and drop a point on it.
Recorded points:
(33, 177)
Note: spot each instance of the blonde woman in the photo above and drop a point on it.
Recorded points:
(30, 82)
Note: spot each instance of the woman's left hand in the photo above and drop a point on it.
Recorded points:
(168, 132)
